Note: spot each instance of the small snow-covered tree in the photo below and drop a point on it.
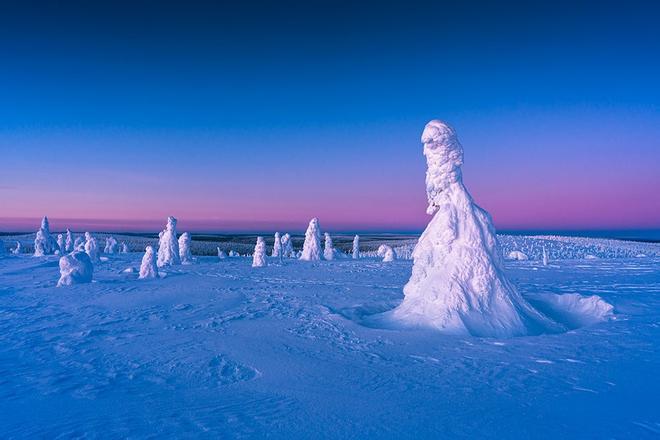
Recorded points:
(233, 253)
(259, 256)
(44, 243)
(91, 247)
(75, 268)
(221, 253)
(386, 252)
(148, 268)
(110, 245)
(287, 246)
(545, 257)
(79, 244)
(123, 248)
(312, 246)
(17, 249)
(184, 249)
(328, 250)
(356, 247)
(168, 246)
(277, 246)
(68, 243)
(60, 244)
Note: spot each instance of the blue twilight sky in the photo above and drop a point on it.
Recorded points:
(253, 114)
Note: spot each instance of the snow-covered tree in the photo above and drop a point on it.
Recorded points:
(233, 253)
(110, 245)
(329, 249)
(545, 257)
(60, 244)
(277, 246)
(17, 249)
(517, 255)
(386, 252)
(259, 256)
(168, 246)
(148, 267)
(75, 268)
(458, 283)
(91, 247)
(123, 248)
(68, 243)
(287, 246)
(79, 244)
(184, 249)
(44, 243)
(221, 253)
(312, 246)
(356, 247)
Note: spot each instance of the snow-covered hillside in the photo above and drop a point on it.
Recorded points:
(218, 349)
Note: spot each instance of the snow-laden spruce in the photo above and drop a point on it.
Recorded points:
(458, 284)
(356, 247)
(312, 247)
(75, 268)
(287, 246)
(61, 247)
(259, 256)
(17, 249)
(277, 246)
(221, 253)
(44, 243)
(68, 243)
(328, 248)
(110, 245)
(168, 246)
(148, 267)
(185, 255)
(91, 247)
(386, 252)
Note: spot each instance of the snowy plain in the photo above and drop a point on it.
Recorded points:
(219, 349)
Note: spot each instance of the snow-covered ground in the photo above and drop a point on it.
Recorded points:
(218, 349)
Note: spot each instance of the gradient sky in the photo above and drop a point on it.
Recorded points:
(260, 115)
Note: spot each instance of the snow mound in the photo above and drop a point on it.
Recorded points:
(572, 310)
(75, 268)
(517, 255)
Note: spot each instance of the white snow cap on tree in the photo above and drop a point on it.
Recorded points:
(287, 246)
(60, 244)
(68, 243)
(277, 246)
(259, 256)
(148, 268)
(75, 268)
(44, 243)
(168, 246)
(458, 284)
(91, 247)
(356, 247)
(221, 253)
(386, 252)
(17, 249)
(328, 249)
(312, 247)
(110, 245)
(184, 248)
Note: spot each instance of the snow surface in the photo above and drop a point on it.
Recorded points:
(218, 350)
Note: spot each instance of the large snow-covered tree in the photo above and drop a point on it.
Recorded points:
(328, 248)
(277, 246)
(184, 249)
(168, 246)
(44, 242)
(312, 246)
(458, 283)
(148, 267)
(91, 247)
(259, 256)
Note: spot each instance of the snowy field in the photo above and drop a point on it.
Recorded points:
(219, 349)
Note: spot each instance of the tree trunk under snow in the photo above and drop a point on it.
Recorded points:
(458, 284)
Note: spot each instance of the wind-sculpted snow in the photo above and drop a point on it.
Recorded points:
(220, 350)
